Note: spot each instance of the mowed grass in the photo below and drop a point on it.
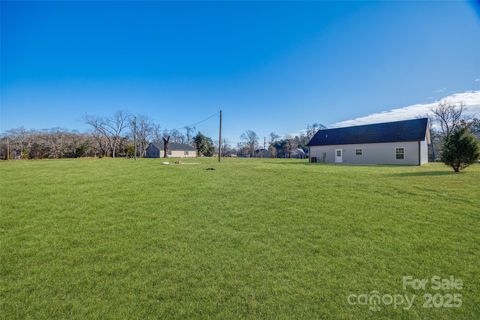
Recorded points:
(255, 238)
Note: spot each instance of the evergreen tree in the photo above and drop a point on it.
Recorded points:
(204, 145)
(460, 149)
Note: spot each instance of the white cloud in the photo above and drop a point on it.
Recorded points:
(471, 99)
(477, 80)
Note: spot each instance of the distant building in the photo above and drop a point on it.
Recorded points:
(299, 154)
(399, 142)
(262, 153)
(175, 150)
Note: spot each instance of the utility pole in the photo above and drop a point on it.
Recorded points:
(135, 138)
(264, 146)
(220, 138)
(8, 148)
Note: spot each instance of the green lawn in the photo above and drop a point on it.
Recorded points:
(269, 239)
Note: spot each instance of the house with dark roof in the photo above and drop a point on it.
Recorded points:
(399, 142)
(175, 150)
(262, 153)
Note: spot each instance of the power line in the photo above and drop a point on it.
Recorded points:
(197, 123)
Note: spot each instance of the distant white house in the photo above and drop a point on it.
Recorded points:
(298, 153)
(175, 150)
(399, 142)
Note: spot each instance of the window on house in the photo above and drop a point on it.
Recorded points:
(169, 152)
(186, 153)
(358, 152)
(400, 153)
(339, 153)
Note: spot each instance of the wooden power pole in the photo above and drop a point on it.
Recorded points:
(8, 149)
(264, 146)
(135, 138)
(220, 138)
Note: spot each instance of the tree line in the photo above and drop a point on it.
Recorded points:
(276, 146)
(126, 135)
(119, 135)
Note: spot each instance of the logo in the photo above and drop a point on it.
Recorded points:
(438, 293)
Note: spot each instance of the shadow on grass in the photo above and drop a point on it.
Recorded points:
(425, 174)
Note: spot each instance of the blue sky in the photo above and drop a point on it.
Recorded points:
(269, 66)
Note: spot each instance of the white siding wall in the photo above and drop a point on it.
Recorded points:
(424, 151)
(153, 152)
(181, 154)
(373, 153)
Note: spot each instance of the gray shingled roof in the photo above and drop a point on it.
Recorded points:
(174, 146)
(398, 131)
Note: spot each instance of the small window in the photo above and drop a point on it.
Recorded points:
(169, 152)
(400, 153)
(186, 153)
(339, 153)
(358, 152)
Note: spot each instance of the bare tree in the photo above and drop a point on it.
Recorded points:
(290, 145)
(115, 126)
(144, 133)
(101, 144)
(271, 148)
(273, 137)
(165, 146)
(189, 131)
(227, 149)
(475, 127)
(273, 151)
(313, 128)
(434, 137)
(100, 132)
(157, 132)
(448, 115)
(110, 128)
(18, 141)
(251, 140)
(48, 143)
(243, 149)
(177, 136)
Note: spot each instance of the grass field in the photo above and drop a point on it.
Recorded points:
(258, 238)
